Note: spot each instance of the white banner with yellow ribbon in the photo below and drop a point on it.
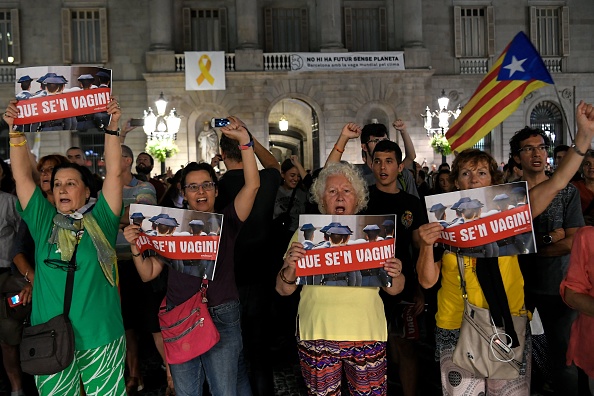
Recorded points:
(205, 70)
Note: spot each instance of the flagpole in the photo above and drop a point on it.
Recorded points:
(564, 115)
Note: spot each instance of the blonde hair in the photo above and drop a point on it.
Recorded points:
(351, 174)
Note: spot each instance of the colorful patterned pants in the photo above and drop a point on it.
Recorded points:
(101, 370)
(364, 364)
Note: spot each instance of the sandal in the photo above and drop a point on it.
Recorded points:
(134, 385)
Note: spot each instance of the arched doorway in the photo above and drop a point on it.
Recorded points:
(300, 134)
(547, 116)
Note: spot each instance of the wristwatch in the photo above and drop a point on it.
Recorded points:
(547, 239)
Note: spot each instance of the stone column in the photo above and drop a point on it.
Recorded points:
(248, 55)
(161, 24)
(161, 57)
(416, 56)
(330, 22)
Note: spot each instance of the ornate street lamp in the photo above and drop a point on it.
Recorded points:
(161, 131)
(437, 135)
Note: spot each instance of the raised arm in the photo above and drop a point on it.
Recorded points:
(409, 147)
(542, 194)
(22, 169)
(112, 186)
(264, 156)
(349, 131)
(244, 201)
(295, 161)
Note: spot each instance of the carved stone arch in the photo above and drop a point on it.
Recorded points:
(195, 123)
(380, 112)
(547, 115)
(305, 134)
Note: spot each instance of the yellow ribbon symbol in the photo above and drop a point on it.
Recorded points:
(205, 70)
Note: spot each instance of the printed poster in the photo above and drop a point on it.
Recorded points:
(485, 222)
(315, 61)
(205, 71)
(57, 98)
(186, 240)
(345, 250)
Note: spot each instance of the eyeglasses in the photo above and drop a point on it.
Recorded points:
(376, 140)
(531, 149)
(60, 264)
(208, 186)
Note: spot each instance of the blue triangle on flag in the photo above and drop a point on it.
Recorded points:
(523, 62)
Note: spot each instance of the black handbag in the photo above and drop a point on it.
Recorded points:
(48, 348)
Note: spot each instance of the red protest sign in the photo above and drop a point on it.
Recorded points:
(64, 105)
(489, 229)
(180, 247)
(345, 258)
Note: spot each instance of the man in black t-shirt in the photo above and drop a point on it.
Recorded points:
(254, 282)
(386, 198)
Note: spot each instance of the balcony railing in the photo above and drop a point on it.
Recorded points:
(180, 62)
(474, 65)
(7, 74)
(554, 65)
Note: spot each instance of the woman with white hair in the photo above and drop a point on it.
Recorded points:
(340, 326)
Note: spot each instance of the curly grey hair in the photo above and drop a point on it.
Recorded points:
(352, 175)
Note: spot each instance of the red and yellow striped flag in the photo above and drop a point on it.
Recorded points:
(517, 72)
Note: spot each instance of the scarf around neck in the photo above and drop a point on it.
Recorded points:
(67, 232)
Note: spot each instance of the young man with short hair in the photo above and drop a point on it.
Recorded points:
(385, 197)
(544, 271)
(370, 135)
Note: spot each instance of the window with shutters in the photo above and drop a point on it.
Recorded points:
(286, 29)
(365, 29)
(84, 35)
(9, 36)
(474, 32)
(205, 29)
(549, 30)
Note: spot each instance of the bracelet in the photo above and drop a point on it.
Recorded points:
(27, 279)
(339, 150)
(136, 255)
(16, 134)
(284, 279)
(577, 150)
(18, 144)
(114, 133)
(247, 145)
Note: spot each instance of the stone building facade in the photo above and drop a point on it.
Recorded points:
(447, 45)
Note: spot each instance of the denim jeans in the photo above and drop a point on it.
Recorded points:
(220, 365)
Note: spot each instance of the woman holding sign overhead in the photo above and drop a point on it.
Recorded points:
(340, 327)
(76, 237)
(220, 364)
(494, 283)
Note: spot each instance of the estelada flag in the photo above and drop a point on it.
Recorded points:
(517, 72)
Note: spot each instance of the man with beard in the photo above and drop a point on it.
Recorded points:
(144, 165)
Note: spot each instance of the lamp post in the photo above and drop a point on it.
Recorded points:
(161, 131)
(283, 123)
(443, 115)
(551, 135)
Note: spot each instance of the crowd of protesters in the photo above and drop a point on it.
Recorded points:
(345, 339)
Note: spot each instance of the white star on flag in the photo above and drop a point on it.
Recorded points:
(515, 65)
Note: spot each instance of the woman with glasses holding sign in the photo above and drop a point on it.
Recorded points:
(340, 328)
(493, 283)
(76, 236)
(220, 363)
